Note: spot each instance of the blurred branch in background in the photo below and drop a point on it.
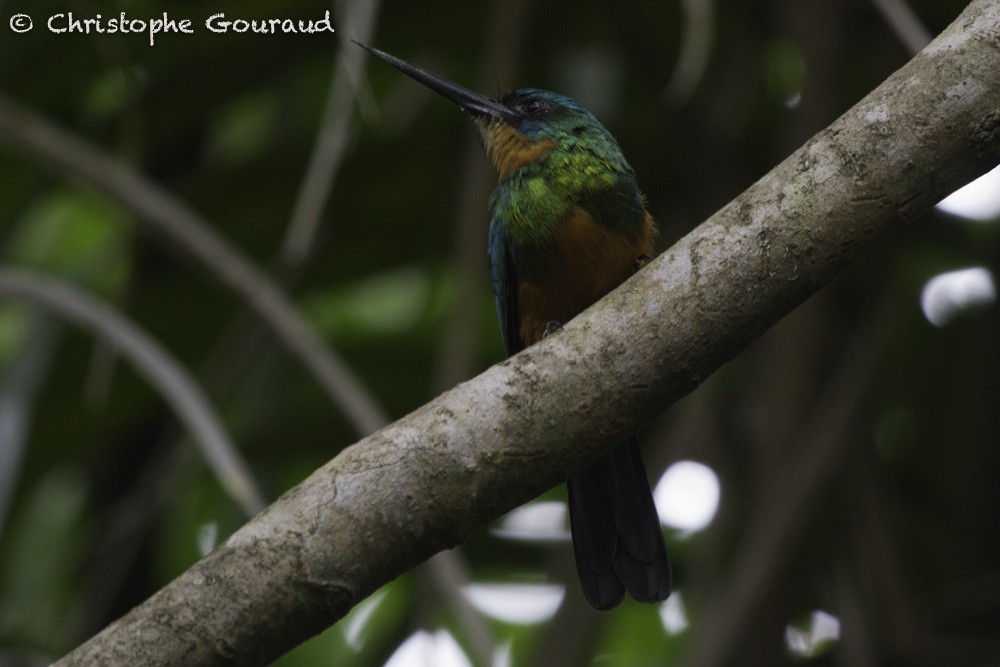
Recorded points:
(19, 384)
(697, 39)
(357, 22)
(155, 364)
(456, 352)
(242, 340)
(905, 23)
(23, 131)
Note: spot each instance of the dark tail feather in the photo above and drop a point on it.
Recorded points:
(617, 537)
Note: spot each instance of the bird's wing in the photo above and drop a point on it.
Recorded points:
(505, 285)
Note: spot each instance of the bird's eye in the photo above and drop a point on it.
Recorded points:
(536, 107)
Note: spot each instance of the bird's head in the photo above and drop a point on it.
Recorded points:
(521, 126)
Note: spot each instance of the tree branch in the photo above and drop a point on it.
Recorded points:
(426, 482)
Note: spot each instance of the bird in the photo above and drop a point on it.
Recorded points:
(568, 224)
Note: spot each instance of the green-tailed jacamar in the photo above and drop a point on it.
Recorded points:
(568, 224)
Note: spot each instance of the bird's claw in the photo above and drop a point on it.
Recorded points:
(552, 327)
(640, 261)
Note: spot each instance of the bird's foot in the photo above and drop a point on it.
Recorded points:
(553, 326)
(640, 261)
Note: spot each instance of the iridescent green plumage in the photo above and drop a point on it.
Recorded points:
(567, 225)
(582, 165)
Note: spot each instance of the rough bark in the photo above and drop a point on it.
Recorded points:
(426, 482)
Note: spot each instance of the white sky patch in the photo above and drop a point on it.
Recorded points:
(423, 649)
(979, 200)
(687, 496)
(673, 614)
(538, 521)
(947, 295)
(823, 629)
(523, 604)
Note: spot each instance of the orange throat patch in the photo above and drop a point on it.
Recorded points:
(509, 149)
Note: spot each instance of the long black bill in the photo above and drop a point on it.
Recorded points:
(474, 103)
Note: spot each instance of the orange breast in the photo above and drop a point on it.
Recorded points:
(590, 262)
